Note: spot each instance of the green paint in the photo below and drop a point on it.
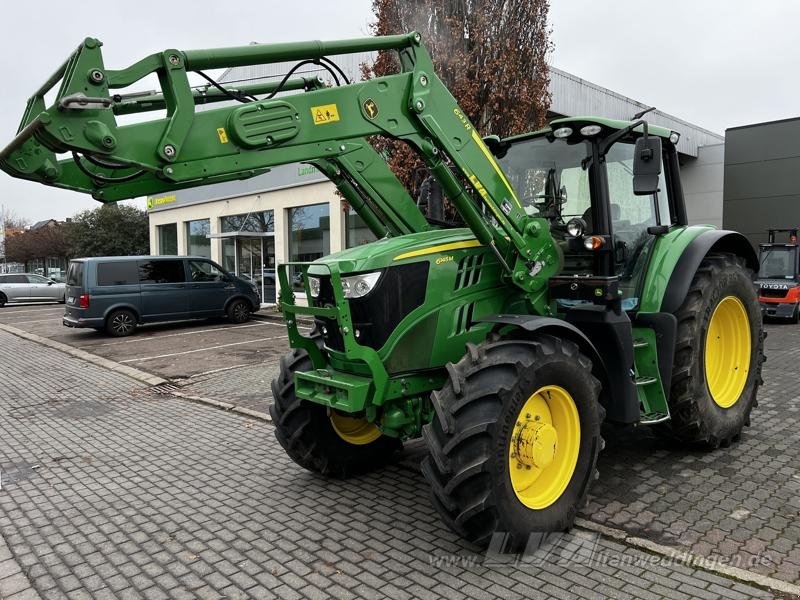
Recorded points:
(666, 252)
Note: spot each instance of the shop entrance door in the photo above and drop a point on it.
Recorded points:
(255, 260)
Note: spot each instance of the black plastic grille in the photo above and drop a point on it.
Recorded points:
(767, 293)
(400, 290)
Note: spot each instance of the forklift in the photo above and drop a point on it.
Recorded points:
(778, 278)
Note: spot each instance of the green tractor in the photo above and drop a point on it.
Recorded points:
(572, 292)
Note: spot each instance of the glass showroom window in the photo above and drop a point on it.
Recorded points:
(357, 233)
(197, 242)
(309, 235)
(168, 238)
(260, 222)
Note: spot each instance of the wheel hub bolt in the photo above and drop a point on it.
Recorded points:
(535, 445)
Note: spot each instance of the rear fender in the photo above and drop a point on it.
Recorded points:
(718, 240)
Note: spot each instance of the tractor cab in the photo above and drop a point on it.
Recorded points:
(778, 278)
(581, 175)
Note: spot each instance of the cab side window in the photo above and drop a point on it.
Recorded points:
(631, 216)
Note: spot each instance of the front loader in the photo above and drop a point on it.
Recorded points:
(572, 292)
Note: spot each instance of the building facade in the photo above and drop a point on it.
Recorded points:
(293, 213)
(762, 178)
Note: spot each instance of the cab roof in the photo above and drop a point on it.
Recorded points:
(578, 122)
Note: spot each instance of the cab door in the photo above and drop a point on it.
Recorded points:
(631, 216)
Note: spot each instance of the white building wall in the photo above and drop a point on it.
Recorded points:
(279, 201)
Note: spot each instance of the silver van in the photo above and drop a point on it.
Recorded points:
(29, 287)
(117, 293)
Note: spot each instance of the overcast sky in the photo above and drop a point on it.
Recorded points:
(714, 63)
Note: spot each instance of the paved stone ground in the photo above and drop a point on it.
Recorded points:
(247, 386)
(109, 490)
(740, 504)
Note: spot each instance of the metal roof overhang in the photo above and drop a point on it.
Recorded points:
(241, 234)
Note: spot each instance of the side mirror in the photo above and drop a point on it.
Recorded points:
(646, 165)
(50, 282)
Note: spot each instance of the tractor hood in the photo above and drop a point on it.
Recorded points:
(397, 250)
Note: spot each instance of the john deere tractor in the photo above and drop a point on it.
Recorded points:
(570, 292)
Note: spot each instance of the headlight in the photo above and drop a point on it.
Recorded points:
(576, 227)
(562, 132)
(313, 286)
(357, 286)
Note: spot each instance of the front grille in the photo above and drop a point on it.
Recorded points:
(767, 293)
(400, 290)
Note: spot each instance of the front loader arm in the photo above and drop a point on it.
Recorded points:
(327, 127)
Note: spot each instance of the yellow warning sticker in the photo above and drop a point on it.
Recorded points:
(328, 113)
(223, 136)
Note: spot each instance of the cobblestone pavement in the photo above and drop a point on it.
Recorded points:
(247, 386)
(109, 490)
(741, 504)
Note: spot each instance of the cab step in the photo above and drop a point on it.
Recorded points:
(645, 380)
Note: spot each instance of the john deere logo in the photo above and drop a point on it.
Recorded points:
(370, 108)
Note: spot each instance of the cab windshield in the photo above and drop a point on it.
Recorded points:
(777, 263)
(551, 178)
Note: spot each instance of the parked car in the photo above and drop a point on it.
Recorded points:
(118, 293)
(29, 287)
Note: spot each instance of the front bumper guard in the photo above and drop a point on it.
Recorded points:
(343, 391)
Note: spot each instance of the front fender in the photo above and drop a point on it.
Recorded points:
(613, 335)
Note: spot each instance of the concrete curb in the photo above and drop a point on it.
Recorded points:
(700, 562)
(131, 372)
(278, 318)
(227, 406)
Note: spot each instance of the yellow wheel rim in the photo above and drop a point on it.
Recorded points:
(544, 445)
(354, 430)
(727, 357)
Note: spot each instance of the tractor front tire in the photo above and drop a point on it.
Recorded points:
(333, 445)
(718, 355)
(514, 440)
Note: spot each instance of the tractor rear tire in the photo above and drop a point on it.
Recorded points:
(478, 451)
(307, 433)
(711, 395)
